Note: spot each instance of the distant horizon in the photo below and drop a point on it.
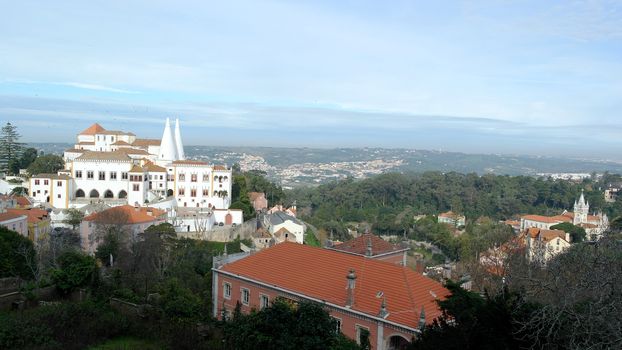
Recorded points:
(527, 78)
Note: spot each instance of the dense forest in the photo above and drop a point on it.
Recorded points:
(389, 202)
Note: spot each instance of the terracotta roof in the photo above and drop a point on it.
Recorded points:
(220, 167)
(93, 129)
(127, 214)
(512, 222)
(254, 195)
(321, 274)
(450, 214)
(593, 218)
(146, 142)
(23, 201)
(547, 219)
(149, 166)
(588, 225)
(33, 215)
(51, 176)
(189, 162)
(115, 155)
(120, 143)
(134, 151)
(359, 245)
(74, 150)
(10, 216)
(137, 169)
(545, 235)
(85, 143)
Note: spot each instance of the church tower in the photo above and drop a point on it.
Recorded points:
(581, 209)
(178, 144)
(168, 149)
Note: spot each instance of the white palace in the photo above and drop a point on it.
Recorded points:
(117, 168)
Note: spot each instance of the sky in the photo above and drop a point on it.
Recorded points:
(518, 77)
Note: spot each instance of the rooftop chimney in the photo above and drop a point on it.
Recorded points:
(383, 309)
(369, 251)
(350, 288)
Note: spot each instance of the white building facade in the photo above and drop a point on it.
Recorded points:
(116, 168)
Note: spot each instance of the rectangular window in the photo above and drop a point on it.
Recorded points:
(89, 174)
(227, 290)
(161, 177)
(78, 174)
(123, 176)
(337, 324)
(136, 187)
(59, 184)
(58, 196)
(182, 177)
(113, 175)
(263, 301)
(246, 296)
(193, 192)
(193, 178)
(181, 191)
(102, 175)
(36, 182)
(362, 334)
(206, 177)
(205, 192)
(46, 182)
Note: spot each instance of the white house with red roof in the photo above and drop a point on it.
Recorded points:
(594, 225)
(391, 303)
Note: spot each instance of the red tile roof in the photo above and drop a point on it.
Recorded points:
(146, 142)
(9, 216)
(548, 219)
(359, 245)
(34, 215)
(321, 274)
(127, 214)
(93, 129)
(22, 201)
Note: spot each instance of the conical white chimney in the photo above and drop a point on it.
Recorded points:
(168, 149)
(178, 144)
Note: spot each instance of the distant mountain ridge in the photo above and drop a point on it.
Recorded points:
(303, 166)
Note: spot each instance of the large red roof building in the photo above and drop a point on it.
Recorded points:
(390, 302)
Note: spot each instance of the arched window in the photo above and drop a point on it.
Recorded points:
(93, 194)
(79, 193)
(108, 194)
(122, 194)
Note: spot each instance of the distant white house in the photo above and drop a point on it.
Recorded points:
(452, 219)
(282, 226)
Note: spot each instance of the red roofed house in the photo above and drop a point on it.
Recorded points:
(132, 220)
(258, 200)
(389, 302)
(374, 247)
(543, 244)
(594, 225)
(15, 222)
(38, 222)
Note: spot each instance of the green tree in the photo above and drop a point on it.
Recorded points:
(74, 270)
(46, 164)
(74, 217)
(10, 148)
(17, 255)
(27, 157)
(109, 247)
(19, 191)
(284, 326)
(577, 234)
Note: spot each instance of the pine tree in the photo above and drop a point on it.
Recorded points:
(10, 148)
